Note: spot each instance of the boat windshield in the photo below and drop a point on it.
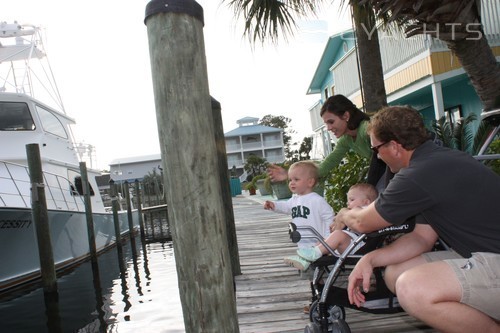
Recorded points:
(15, 116)
(51, 123)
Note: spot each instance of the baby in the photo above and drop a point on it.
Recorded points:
(306, 206)
(359, 195)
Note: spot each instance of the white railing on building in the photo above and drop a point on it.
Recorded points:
(346, 80)
(233, 147)
(237, 163)
(396, 49)
(252, 145)
(316, 120)
(275, 159)
(490, 12)
(273, 143)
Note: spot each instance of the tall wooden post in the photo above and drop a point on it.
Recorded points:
(130, 218)
(41, 219)
(88, 211)
(227, 199)
(139, 208)
(116, 221)
(190, 167)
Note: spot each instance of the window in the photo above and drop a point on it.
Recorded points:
(15, 117)
(77, 189)
(51, 123)
(453, 115)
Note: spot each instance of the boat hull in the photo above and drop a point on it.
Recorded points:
(69, 238)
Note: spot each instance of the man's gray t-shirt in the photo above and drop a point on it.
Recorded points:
(451, 191)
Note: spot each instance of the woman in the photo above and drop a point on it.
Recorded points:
(348, 124)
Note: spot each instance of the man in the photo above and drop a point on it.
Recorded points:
(451, 196)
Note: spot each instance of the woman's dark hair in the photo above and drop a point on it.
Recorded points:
(339, 105)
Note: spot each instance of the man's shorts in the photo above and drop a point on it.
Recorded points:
(479, 277)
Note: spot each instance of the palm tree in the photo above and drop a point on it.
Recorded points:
(153, 183)
(462, 135)
(457, 23)
(370, 60)
(265, 19)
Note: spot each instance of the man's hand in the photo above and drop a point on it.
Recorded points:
(359, 281)
(340, 217)
(336, 225)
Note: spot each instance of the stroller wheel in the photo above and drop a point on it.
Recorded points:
(340, 326)
(334, 312)
(312, 328)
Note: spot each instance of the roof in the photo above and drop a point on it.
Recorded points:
(327, 60)
(103, 180)
(246, 120)
(135, 159)
(252, 129)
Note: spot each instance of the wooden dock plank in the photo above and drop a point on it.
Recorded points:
(270, 295)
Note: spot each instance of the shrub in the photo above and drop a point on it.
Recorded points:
(352, 170)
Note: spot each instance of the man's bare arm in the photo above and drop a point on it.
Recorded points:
(362, 220)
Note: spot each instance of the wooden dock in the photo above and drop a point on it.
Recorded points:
(271, 295)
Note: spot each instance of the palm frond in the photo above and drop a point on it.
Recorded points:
(414, 15)
(463, 133)
(444, 132)
(482, 134)
(271, 19)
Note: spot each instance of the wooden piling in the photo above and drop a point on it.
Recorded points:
(51, 300)
(147, 189)
(227, 199)
(130, 218)
(139, 208)
(41, 219)
(115, 207)
(88, 211)
(190, 167)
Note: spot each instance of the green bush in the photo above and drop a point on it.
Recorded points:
(352, 170)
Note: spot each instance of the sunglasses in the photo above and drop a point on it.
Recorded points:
(376, 148)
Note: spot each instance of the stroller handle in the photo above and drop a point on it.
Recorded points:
(393, 229)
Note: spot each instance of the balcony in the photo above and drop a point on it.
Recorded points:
(252, 145)
(231, 148)
(275, 159)
(236, 162)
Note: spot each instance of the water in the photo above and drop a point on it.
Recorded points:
(139, 295)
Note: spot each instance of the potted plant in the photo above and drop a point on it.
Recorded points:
(250, 187)
(256, 166)
(259, 182)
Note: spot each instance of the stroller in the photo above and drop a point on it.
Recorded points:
(329, 299)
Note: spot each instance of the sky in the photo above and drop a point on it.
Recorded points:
(99, 54)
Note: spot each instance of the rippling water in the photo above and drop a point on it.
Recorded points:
(139, 295)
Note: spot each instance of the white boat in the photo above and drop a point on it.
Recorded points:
(24, 120)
